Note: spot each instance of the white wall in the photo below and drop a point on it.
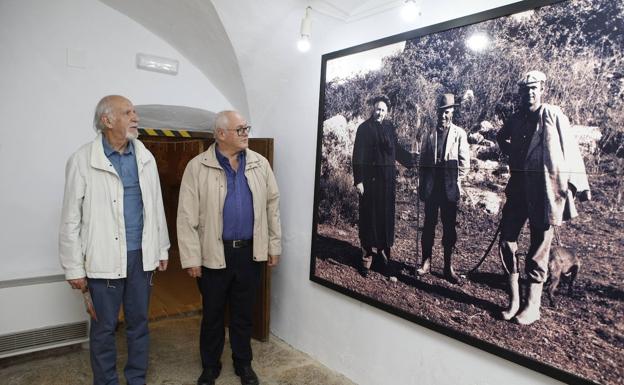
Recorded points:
(47, 109)
(366, 344)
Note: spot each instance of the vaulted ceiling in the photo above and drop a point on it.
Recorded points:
(220, 37)
(194, 28)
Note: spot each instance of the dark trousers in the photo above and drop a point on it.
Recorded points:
(236, 285)
(448, 214)
(108, 295)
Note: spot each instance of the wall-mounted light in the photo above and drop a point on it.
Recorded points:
(410, 10)
(157, 64)
(305, 31)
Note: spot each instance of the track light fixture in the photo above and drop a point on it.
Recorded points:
(304, 33)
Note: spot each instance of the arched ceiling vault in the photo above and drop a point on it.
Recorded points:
(205, 32)
(194, 28)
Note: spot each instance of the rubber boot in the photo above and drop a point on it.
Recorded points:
(531, 312)
(425, 267)
(449, 273)
(514, 297)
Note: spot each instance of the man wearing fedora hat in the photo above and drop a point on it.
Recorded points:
(444, 162)
(547, 171)
(375, 152)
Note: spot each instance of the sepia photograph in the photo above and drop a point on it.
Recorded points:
(469, 178)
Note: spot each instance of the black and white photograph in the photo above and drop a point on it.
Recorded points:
(469, 178)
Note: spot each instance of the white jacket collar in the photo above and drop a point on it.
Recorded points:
(100, 161)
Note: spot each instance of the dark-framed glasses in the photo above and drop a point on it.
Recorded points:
(240, 131)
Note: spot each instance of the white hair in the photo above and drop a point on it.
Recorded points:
(103, 108)
(222, 120)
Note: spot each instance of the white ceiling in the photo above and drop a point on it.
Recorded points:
(231, 41)
(352, 10)
(194, 28)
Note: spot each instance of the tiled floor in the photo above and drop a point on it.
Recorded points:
(174, 360)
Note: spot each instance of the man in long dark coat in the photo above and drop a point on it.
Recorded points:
(374, 174)
(547, 171)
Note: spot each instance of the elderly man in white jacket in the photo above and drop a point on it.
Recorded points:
(113, 235)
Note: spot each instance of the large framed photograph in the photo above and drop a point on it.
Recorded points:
(469, 178)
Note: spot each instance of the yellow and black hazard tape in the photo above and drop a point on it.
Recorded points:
(174, 133)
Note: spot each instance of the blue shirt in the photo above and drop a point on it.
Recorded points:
(238, 213)
(126, 166)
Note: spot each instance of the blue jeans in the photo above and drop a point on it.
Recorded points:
(108, 295)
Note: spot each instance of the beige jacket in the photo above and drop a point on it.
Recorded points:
(456, 163)
(555, 151)
(200, 210)
(557, 165)
(92, 236)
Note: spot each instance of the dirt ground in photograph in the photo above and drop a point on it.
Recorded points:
(583, 334)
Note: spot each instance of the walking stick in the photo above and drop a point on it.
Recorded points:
(418, 258)
(489, 248)
(487, 251)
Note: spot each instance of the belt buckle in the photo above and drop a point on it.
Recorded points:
(237, 244)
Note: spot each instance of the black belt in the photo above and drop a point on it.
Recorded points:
(238, 243)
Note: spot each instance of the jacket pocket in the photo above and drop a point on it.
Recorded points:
(99, 258)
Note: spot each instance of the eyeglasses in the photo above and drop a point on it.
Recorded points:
(240, 131)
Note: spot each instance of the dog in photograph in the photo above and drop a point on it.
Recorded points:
(563, 262)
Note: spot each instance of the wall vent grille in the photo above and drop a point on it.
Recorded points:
(11, 344)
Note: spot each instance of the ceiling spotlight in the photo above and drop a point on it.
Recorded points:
(304, 43)
(410, 10)
(304, 33)
(478, 42)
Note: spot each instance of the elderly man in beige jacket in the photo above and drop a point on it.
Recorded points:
(228, 224)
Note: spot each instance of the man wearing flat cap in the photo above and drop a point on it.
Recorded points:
(547, 171)
(444, 162)
(375, 152)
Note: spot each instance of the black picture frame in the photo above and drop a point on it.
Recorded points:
(339, 253)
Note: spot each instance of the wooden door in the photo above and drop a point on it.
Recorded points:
(174, 291)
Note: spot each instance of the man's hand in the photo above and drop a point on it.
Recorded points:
(162, 265)
(360, 188)
(584, 196)
(194, 272)
(273, 260)
(79, 283)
